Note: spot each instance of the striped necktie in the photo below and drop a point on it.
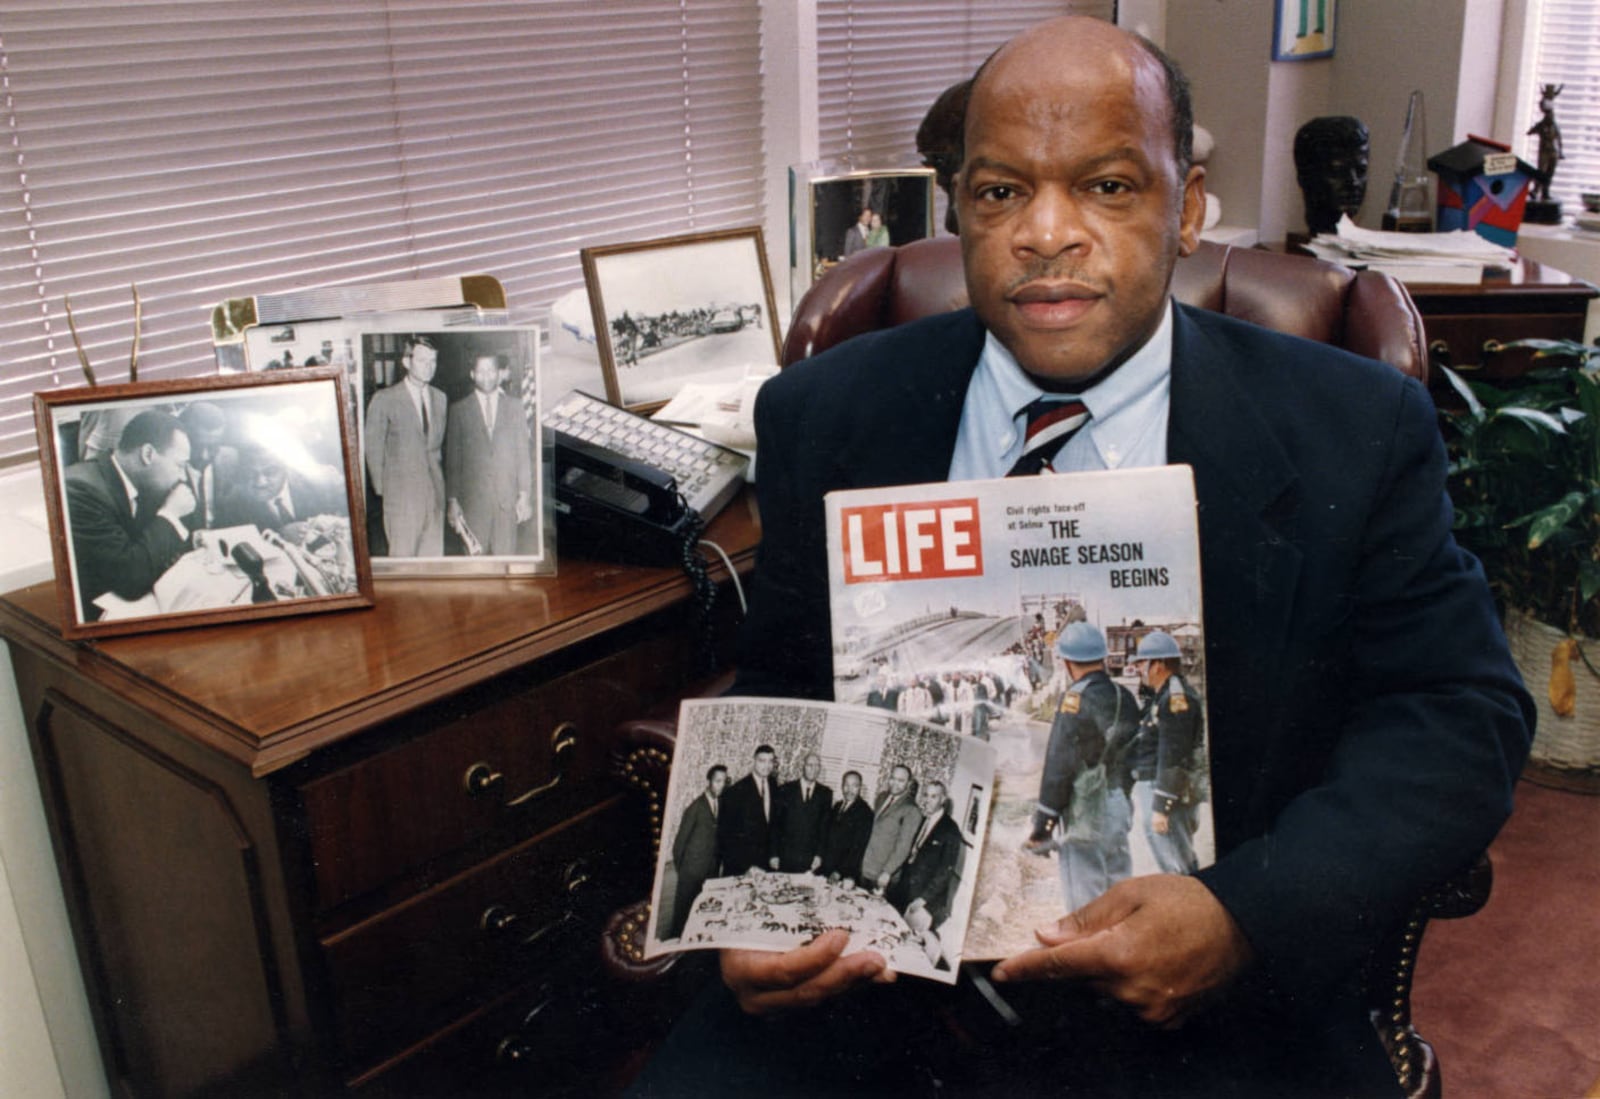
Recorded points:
(1051, 422)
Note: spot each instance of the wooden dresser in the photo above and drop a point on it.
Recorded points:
(364, 852)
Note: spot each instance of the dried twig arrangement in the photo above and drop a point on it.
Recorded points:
(83, 356)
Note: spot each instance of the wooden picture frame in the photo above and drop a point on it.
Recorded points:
(269, 524)
(899, 200)
(1303, 30)
(692, 308)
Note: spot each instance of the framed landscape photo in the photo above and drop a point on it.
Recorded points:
(183, 503)
(852, 211)
(456, 464)
(1302, 30)
(696, 308)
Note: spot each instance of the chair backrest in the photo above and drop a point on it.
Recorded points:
(1360, 311)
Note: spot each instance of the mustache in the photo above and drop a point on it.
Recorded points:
(1049, 271)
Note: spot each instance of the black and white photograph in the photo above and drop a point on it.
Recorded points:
(456, 477)
(869, 209)
(785, 819)
(1057, 618)
(207, 500)
(696, 308)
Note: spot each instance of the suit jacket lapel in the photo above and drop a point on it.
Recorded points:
(1249, 489)
(924, 389)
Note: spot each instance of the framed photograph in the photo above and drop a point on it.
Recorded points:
(183, 503)
(865, 209)
(667, 312)
(1302, 29)
(456, 463)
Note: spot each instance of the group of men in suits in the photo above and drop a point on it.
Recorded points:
(433, 463)
(905, 848)
(158, 477)
(1367, 723)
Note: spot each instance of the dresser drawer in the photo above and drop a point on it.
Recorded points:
(408, 971)
(512, 763)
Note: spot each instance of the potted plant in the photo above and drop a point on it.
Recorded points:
(1525, 481)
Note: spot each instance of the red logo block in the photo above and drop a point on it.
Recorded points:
(922, 541)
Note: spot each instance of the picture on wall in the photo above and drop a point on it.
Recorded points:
(181, 503)
(1303, 29)
(696, 308)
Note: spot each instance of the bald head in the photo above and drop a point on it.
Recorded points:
(1063, 41)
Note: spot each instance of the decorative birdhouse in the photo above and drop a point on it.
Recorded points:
(1483, 186)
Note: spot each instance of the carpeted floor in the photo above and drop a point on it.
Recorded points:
(1510, 997)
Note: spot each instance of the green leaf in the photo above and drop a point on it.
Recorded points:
(1588, 579)
(1474, 406)
(1534, 418)
(1546, 522)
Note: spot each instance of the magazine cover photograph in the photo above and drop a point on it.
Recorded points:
(1056, 618)
(785, 819)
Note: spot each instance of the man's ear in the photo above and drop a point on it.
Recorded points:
(147, 453)
(1193, 216)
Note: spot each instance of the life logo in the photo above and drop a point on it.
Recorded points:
(921, 541)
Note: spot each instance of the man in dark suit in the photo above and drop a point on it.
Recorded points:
(744, 826)
(488, 465)
(1367, 722)
(849, 826)
(694, 849)
(924, 887)
(800, 820)
(126, 510)
(267, 493)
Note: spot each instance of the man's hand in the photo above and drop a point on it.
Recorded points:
(764, 982)
(1162, 945)
(180, 501)
(452, 512)
(1159, 823)
(524, 507)
(773, 862)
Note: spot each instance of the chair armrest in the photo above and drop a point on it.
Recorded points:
(641, 759)
(1393, 966)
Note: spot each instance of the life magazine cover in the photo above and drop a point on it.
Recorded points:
(786, 818)
(1057, 618)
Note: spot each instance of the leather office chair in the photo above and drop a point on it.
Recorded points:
(1367, 313)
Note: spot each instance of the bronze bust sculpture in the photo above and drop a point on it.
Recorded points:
(1330, 161)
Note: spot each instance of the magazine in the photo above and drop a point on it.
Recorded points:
(949, 603)
(870, 821)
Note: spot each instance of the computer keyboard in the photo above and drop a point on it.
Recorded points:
(707, 474)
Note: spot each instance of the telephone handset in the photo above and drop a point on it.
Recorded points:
(631, 489)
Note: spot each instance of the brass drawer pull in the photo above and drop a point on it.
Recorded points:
(499, 920)
(481, 778)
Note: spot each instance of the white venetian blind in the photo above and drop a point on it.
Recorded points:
(881, 66)
(207, 149)
(1566, 50)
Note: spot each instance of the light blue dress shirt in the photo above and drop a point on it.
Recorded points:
(1128, 414)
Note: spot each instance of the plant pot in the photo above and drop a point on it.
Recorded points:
(1566, 749)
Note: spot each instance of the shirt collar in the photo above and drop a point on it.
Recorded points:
(127, 485)
(1144, 372)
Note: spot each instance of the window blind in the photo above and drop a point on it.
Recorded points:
(207, 149)
(1566, 51)
(881, 66)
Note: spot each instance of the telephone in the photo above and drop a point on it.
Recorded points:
(633, 490)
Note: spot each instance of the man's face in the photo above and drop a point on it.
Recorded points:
(486, 374)
(203, 446)
(811, 768)
(1337, 182)
(932, 799)
(1071, 207)
(899, 781)
(852, 787)
(421, 362)
(158, 471)
(865, 220)
(763, 764)
(716, 783)
(265, 476)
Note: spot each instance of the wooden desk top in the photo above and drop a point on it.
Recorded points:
(269, 692)
(1525, 277)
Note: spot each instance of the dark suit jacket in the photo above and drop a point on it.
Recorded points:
(742, 828)
(932, 871)
(799, 828)
(113, 549)
(309, 496)
(694, 848)
(1367, 721)
(848, 831)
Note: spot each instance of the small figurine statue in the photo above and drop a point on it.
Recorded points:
(1541, 208)
(1330, 162)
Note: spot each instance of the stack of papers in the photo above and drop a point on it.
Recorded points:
(1460, 256)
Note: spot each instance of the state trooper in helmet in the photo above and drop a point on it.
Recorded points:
(1163, 753)
(1073, 792)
